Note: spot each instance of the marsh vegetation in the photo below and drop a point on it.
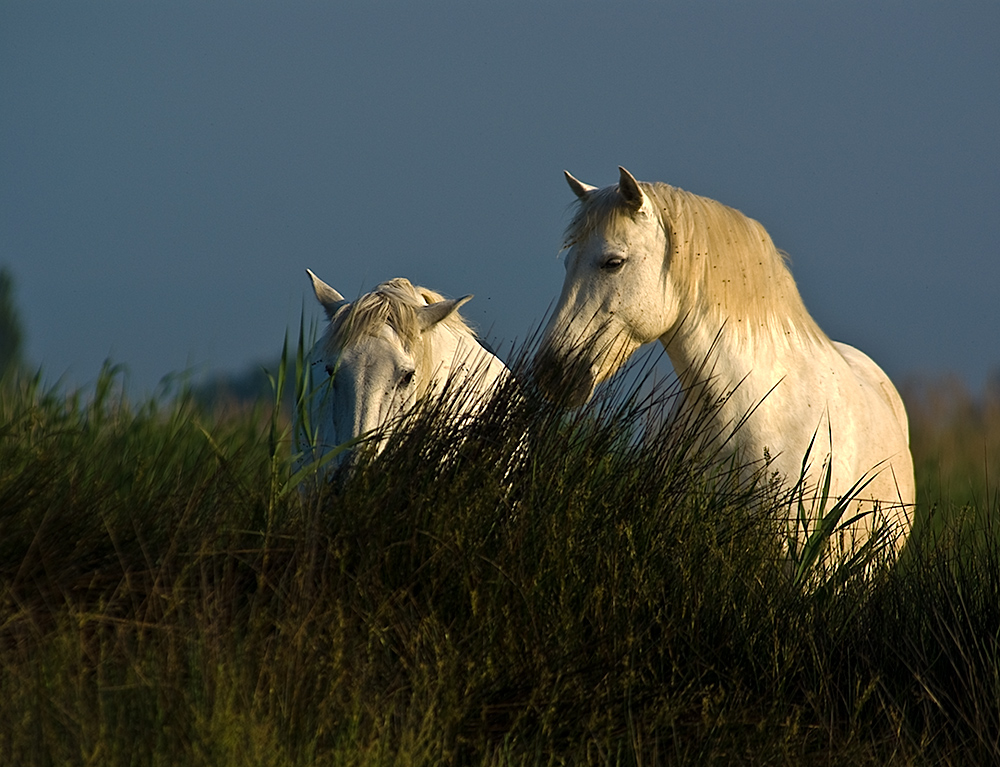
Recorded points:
(169, 596)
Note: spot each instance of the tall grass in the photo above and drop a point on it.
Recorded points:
(534, 587)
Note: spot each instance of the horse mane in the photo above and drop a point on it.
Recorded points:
(393, 303)
(721, 262)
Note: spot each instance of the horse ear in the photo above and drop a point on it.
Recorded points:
(431, 315)
(579, 188)
(629, 189)
(327, 296)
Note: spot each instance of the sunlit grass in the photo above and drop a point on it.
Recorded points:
(539, 587)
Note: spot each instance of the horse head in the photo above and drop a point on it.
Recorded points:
(382, 353)
(616, 295)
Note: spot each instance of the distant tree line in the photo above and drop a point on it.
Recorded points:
(11, 333)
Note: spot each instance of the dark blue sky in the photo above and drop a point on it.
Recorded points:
(169, 170)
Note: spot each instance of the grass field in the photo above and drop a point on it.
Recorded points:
(168, 596)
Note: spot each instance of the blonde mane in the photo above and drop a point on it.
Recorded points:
(721, 262)
(393, 303)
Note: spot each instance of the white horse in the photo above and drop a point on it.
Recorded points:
(381, 354)
(649, 261)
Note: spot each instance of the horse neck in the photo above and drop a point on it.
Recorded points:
(724, 360)
(457, 353)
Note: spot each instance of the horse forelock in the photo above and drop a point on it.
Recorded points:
(720, 261)
(601, 208)
(393, 304)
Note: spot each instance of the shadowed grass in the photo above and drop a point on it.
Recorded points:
(532, 587)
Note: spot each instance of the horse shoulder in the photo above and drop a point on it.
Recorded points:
(875, 379)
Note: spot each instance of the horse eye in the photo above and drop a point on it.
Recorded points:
(613, 264)
(329, 370)
(406, 379)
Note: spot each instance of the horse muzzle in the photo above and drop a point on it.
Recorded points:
(564, 381)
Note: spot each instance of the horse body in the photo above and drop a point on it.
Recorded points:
(648, 262)
(382, 353)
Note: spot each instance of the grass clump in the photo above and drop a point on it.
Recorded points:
(533, 587)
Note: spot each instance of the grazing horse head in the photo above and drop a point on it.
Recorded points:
(383, 352)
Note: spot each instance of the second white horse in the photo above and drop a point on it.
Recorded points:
(385, 351)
